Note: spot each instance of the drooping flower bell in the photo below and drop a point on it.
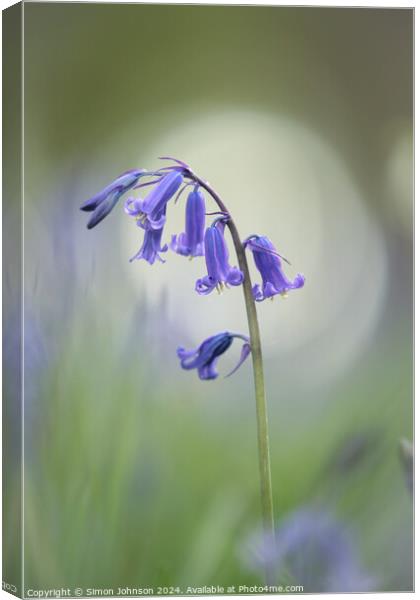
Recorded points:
(152, 245)
(205, 357)
(268, 263)
(102, 203)
(152, 210)
(219, 271)
(191, 242)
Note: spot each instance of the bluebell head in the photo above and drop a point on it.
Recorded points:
(152, 210)
(268, 263)
(102, 203)
(152, 245)
(205, 357)
(191, 242)
(219, 271)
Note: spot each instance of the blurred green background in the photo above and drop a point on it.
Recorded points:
(136, 473)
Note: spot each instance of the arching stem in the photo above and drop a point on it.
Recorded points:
(254, 333)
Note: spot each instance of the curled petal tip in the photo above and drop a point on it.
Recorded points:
(299, 280)
(235, 276)
(246, 349)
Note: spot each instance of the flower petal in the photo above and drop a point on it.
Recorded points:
(132, 207)
(103, 209)
(208, 372)
(267, 260)
(246, 349)
(156, 200)
(235, 276)
(205, 285)
(93, 202)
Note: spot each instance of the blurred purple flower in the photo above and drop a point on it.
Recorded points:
(268, 263)
(191, 243)
(312, 548)
(102, 203)
(219, 271)
(205, 357)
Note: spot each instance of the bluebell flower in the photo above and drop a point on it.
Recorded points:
(205, 357)
(191, 242)
(268, 263)
(219, 271)
(102, 203)
(151, 211)
(151, 247)
(313, 549)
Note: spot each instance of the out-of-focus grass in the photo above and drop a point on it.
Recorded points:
(132, 480)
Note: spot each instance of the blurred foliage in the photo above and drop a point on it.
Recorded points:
(130, 480)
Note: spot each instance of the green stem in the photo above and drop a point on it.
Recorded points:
(261, 404)
(255, 339)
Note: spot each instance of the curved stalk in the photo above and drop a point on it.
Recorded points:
(255, 340)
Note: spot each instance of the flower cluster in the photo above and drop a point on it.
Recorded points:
(150, 214)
